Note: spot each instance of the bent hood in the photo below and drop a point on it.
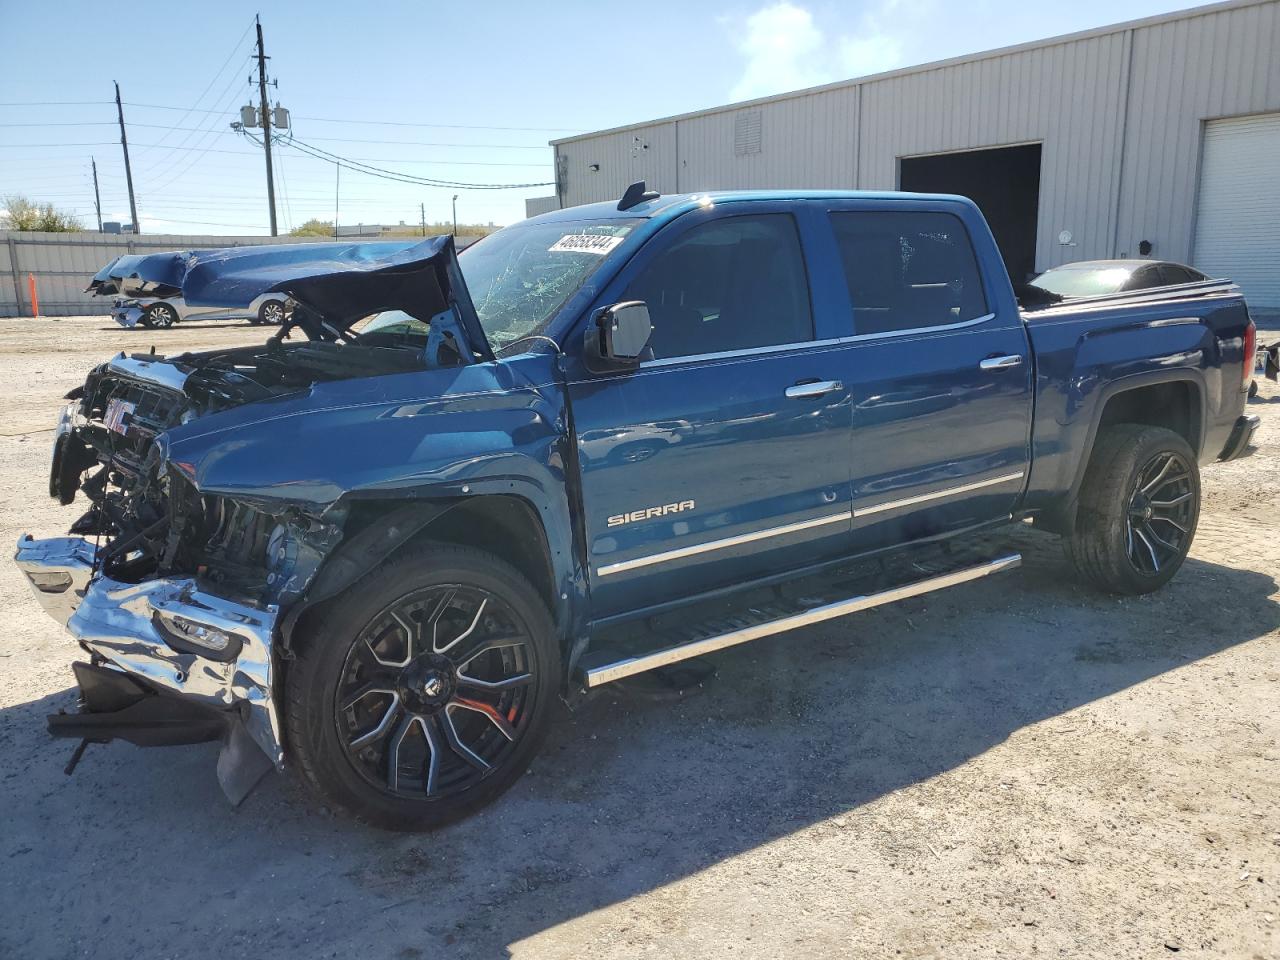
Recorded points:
(107, 281)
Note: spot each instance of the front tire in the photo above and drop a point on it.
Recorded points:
(426, 690)
(1138, 510)
(160, 316)
(271, 313)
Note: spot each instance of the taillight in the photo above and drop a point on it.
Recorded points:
(1250, 353)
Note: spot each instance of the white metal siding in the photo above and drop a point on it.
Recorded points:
(1238, 214)
(644, 153)
(1185, 72)
(1118, 114)
(1067, 97)
(806, 141)
(535, 206)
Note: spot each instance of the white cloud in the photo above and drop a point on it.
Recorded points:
(780, 44)
(784, 49)
(874, 53)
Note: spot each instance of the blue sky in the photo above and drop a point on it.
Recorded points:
(466, 92)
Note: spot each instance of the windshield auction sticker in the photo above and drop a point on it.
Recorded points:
(585, 243)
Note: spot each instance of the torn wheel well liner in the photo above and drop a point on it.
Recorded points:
(503, 525)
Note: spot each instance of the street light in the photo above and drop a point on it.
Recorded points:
(455, 216)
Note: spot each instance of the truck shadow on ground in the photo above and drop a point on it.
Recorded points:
(629, 794)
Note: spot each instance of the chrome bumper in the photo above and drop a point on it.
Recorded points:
(121, 623)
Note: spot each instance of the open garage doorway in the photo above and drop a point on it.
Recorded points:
(1005, 184)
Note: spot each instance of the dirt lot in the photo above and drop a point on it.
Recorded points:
(1013, 768)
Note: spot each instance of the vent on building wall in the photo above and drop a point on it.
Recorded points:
(746, 133)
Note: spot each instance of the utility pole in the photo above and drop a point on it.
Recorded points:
(455, 216)
(128, 170)
(266, 128)
(337, 179)
(97, 200)
(423, 207)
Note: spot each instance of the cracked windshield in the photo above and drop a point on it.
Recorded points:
(519, 277)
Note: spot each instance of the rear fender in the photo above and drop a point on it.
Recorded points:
(1059, 515)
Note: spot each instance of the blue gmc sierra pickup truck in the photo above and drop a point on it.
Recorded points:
(598, 442)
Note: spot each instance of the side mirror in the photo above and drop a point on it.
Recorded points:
(618, 337)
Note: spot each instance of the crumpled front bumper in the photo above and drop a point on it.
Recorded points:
(127, 314)
(124, 624)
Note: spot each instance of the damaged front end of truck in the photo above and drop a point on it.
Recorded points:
(177, 577)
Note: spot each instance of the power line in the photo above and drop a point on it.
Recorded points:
(236, 48)
(223, 101)
(400, 176)
(429, 143)
(392, 123)
(242, 153)
(59, 103)
(64, 123)
(440, 126)
(206, 223)
(230, 133)
(95, 143)
(284, 190)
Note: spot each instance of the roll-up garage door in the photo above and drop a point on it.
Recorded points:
(1238, 211)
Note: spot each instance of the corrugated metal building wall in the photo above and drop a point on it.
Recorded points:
(1119, 113)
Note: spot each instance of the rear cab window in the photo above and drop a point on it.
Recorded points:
(908, 270)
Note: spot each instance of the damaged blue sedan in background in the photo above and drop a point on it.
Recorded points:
(153, 291)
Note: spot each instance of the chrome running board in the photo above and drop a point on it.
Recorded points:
(776, 618)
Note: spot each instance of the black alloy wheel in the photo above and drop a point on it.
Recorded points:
(1161, 514)
(1137, 510)
(423, 692)
(435, 692)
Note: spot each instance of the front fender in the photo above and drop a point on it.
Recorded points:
(433, 435)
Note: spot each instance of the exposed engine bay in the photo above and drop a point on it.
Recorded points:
(146, 516)
(145, 513)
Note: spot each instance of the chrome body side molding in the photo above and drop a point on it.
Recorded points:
(624, 565)
(937, 494)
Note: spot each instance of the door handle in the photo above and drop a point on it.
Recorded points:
(1001, 363)
(813, 388)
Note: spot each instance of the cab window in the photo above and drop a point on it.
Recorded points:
(730, 284)
(906, 270)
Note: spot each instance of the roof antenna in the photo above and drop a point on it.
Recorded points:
(635, 195)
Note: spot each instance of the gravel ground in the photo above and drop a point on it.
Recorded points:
(1016, 767)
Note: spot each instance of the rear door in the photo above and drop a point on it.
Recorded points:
(724, 457)
(939, 371)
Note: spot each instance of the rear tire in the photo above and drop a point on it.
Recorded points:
(392, 716)
(1138, 509)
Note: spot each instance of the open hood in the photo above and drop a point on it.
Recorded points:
(107, 280)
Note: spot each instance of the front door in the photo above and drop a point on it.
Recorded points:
(724, 457)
